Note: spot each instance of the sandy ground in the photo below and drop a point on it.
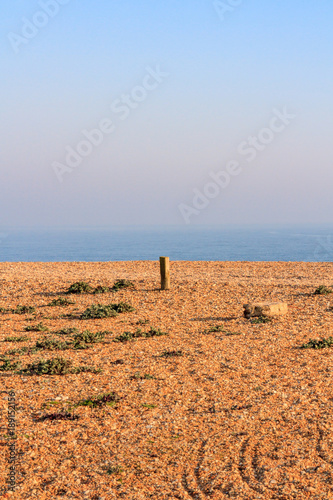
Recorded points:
(241, 413)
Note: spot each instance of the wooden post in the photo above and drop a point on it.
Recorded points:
(165, 273)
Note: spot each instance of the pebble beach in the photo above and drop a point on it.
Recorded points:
(215, 407)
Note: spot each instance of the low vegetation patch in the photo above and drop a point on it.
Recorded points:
(58, 416)
(22, 350)
(122, 307)
(56, 366)
(101, 289)
(16, 339)
(142, 321)
(318, 344)
(109, 399)
(99, 311)
(9, 365)
(80, 341)
(88, 337)
(322, 290)
(114, 470)
(146, 376)
(52, 345)
(217, 328)
(79, 287)
(50, 404)
(23, 310)
(260, 319)
(169, 354)
(36, 328)
(60, 301)
(120, 284)
(153, 332)
(83, 287)
(106, 311)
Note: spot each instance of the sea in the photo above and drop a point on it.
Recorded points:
(188, 243)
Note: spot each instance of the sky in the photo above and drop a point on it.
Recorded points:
(192, 112)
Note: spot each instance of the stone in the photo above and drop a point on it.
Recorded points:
(267, 309)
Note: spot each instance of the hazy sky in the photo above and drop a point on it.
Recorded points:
(173, 112)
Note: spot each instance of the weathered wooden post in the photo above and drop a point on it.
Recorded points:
(165, 273)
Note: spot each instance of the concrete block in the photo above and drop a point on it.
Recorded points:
(267, 309)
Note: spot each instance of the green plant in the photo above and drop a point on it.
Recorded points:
(88, 337)
(106, 311)
(153, 332)
(52, 345)
(60, 301)
(16, 339)
(322, 290)
(109, 399)
(9, 365)
(101, 289)
(21, 350)
(124, 337)
(119, 284)
(148, 406)
(36, 328)
(114, 470)
(23, 310)
(80, 341)
(260, 319)
(99, 311)
(82, 369)
(56, 366)
(79, 287)
(58, 416)
(49, 404)
(142, 321)
(318, 344)
(122, 307)
(146, 376)
(217, 328)
(168, 354)
(3, 310)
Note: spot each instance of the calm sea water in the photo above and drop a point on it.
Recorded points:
(311, 244)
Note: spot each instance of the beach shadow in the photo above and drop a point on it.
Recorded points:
(305, 294)
(49, 294)
(113, 293)
(211, 318)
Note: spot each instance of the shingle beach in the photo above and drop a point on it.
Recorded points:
(214, 406)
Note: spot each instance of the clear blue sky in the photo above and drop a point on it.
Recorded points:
(223, 73)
